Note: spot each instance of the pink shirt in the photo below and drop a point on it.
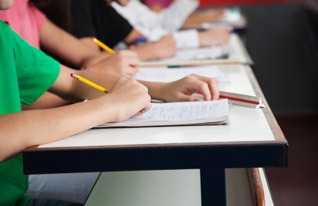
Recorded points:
(26, 20)
(163, 3)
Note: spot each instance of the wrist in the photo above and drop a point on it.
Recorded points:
(187, 39)
(156, 89)
(204, 40)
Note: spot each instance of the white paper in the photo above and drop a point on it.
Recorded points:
(184, 56)
(234, 52)
(168, 75)
(179, 113)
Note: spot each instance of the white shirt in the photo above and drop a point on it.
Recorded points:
(155, 25)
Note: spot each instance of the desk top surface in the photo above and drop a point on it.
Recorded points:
(249, 129)
(245, 125)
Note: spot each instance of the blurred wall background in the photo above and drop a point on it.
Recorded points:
(282, 40)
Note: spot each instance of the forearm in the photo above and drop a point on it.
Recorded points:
(63, 45)
(73, 89)
(28, 128)
(156, 89)
(147, 52)
(133, 35)
(81, 90)
(194, 20)
(98, 54)
(156, 50)
(47, 100)
(207, 16)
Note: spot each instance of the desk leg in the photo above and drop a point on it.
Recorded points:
(213, 186)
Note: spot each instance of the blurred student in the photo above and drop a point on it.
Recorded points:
(152, 25)
(179, 14)
(39, 31)
(157, 5)
(100, 20)
(33, 26)
(97, 18)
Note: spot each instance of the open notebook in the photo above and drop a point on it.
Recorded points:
(234, 52)
(192, 56)
(157, 74)
(232, 17)
(179, 113)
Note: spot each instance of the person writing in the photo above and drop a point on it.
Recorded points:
(153, 25)
(30, 23)
(26, 73)
(99, 20)
(99, 17)
(34, 27)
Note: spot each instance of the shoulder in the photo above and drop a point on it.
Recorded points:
(5, 30)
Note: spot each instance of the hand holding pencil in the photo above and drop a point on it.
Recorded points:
(128, 96)
(103, 46)
(126, 60)
(90, 83)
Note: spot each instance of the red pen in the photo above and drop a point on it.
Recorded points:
(241, 99)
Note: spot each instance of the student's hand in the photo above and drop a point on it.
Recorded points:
(214, 37)
(163, 48)
(183, 89)
(123, 63)
(129, 98)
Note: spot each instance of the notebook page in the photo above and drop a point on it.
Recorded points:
(168, 75)
(179, 113)
(193, 55)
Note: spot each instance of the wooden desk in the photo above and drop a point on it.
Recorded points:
(251, 139)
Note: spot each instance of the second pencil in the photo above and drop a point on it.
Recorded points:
(88, 82)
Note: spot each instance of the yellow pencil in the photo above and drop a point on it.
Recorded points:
(103, 46)
(90, 83)
(108, 49)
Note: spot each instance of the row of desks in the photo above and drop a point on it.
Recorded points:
(252, 138)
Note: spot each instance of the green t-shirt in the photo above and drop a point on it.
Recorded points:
(25, 74)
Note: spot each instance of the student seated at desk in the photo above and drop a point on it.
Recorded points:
(26, 73)
(33, 26)
(97, 19)
(157, 5)
(96, 15)
(188, 17)
(153, 25)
